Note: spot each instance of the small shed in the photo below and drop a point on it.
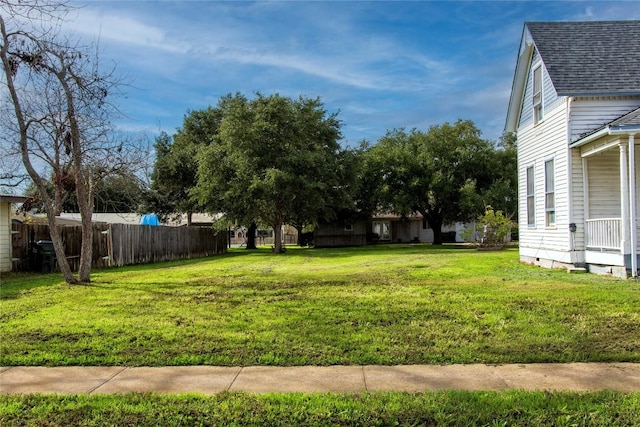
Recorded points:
(6, 245)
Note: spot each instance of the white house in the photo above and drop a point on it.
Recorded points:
(6, 244)
(575, 107)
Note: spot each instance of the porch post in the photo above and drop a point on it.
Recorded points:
(624, 197)
(632, 205)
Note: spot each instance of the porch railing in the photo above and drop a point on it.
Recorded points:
(604, 233)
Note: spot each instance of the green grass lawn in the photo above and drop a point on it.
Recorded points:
(388, 304)
(454, 408)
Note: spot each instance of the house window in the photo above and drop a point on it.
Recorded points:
(531, 201)
(537, 94)
(549, 193)
(348, 227)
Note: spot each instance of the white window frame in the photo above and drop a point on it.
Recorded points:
(530, 182)
(348, 227)
(550, 193)
(537, 94)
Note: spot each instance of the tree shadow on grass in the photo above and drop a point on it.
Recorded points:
(14, 283)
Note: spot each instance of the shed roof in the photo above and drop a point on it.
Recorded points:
(590, 58)
(13, 199)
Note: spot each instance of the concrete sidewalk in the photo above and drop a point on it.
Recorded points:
(262, 379)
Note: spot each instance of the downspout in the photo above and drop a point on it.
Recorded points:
(632, 205)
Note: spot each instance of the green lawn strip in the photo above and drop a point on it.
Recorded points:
(446, 408)
(388, 304)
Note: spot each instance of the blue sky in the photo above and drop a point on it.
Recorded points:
(380, 64)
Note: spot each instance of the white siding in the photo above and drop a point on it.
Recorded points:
(637, 165)
(589, 114)
(604, 184)
(550, 98)
(577, 196)
(407, 232)
(5, 237)
(425, 234)
(536, 144)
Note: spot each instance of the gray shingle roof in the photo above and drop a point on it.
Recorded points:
(590, 58)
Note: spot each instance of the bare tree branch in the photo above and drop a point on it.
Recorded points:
(61, 112)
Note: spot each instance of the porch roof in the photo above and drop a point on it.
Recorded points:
(627, 123)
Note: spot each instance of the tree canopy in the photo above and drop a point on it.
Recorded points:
(119, 193)
(175, 169)
(447, 174)
(275, 159)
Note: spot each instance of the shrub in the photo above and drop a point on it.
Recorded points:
(490, 231)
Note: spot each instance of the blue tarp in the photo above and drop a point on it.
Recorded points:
(149, 219)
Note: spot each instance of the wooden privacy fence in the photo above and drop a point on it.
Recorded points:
(136, 244)
(122, 244)
(25, 234)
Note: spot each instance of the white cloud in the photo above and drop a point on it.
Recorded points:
(350, 59)
(121, 29)
(605, 11)
(384, 65)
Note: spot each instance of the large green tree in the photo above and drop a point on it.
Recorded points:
(442, 173)
(275, 159)
(175, 169)
(503, 193)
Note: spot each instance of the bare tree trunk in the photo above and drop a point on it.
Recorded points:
(56, 238)
(57, 194)
(8, 68)
(65, 119)
(84, 184)
(54, 231)
(86, 247)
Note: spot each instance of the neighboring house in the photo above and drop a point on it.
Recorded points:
(397, 229)
(336, 234)
(197, 219)
(575, 106)
(383, 228)
(6, 243)
(108, 218)
(137, 219)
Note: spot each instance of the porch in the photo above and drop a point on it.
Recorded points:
(611, 226)
(604, 234)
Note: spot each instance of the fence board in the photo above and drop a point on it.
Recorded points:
(122, 244)
(138, 244)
